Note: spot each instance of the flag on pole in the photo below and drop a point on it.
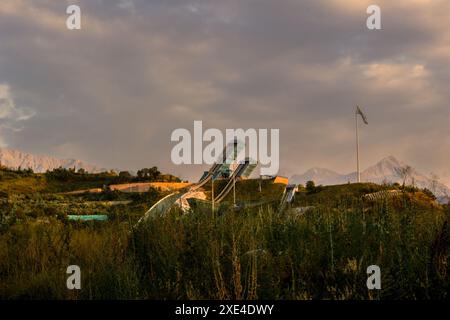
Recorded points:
(358, 111)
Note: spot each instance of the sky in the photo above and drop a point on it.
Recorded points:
(112, 93)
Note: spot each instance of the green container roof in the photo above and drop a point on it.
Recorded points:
(97, 217)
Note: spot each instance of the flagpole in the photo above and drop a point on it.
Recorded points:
(357, 149)
(234, 176)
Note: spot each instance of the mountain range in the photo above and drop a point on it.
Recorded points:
(387, 170)
(40, 163)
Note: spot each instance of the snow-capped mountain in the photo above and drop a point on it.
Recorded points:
(39, 163)
(387, 170)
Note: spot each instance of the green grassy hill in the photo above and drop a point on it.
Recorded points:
(24, 182)
(348, 194)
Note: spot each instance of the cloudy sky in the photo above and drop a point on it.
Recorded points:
(112, 92)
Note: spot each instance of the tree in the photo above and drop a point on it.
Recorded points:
(310, 186)
(404, 173)
(125, 175)
(429, 193)
(148, 174)
(434, 182)
(154, 173)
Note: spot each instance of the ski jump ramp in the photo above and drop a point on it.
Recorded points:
(288, 196)
(243, 169)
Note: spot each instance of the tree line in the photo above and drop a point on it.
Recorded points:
(144, 174)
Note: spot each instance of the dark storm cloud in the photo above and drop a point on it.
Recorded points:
(112, 92)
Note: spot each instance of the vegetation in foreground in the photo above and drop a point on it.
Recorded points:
(255, 253)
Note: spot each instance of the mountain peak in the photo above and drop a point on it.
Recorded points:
(386, 168)
(391, 160)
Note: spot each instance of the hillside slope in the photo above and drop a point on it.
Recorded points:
(386, 170)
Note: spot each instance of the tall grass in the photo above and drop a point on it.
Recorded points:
(252, 254)
(34, 257)
(322, 255)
